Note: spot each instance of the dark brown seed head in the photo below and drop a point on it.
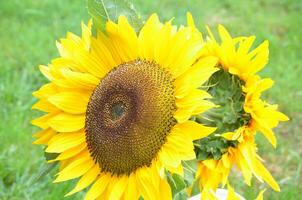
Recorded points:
(129, 116)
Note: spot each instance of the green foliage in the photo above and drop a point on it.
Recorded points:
(104, 10)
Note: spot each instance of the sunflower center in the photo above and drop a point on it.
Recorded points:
(117, 111)
(129, 116)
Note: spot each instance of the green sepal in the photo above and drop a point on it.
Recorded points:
(212, 147)
(50, 156)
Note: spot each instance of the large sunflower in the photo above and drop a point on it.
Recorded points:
(237, 89)
(118, 107)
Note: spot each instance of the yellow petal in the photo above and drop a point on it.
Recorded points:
(180, 145)
(231, 194)
(64, 141)
(224, 34)
(264, 84)
(64, 122)
(211, 38)
(86, 34)
(192, 104)
(211, 164)
(245, 45)
(45, 91)
(44, 136)
(165, 193)
(184, 43)
(62, 63)
(110, 185)
(86, 180)
(64, 163)
(147, 37)
(260, 195)
(70, 102)
(267, 132)
(78, 79)
(192, 98)
(45, 71)
(194, 130)
(118, 188)
(168, 158)
(160, 44)
(126, 30)
(208, 194)
(85, 61)
(75, 169)
(176, 170)
(261, 171)
(228, 135)
(259, 57)
(195, 76)
(98, 187)
(245, 169)
(202, 106)
(42, 122)
(45, 106)
(190, 20)
(226, 160)
(145, 185)
(71, 152)
(183, 114)
(131, 189)
(123, 38)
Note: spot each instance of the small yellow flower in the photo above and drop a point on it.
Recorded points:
(239, 65)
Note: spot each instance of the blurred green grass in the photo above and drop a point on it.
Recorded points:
(29, 28)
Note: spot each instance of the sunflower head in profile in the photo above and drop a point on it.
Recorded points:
(236, 89)
(118, 106)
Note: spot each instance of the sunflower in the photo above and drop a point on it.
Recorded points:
(118, 106)
(236, 89)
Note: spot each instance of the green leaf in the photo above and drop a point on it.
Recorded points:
(190, 168)
(182, 195)
(195, 188)
(176, 182)
(104, 10)
(45, 170)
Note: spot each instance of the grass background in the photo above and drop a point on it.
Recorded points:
(29, 28)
